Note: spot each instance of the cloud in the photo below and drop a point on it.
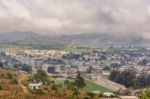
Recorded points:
(124, 17)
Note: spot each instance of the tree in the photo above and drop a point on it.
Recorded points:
(41, 76)
(26, 68)
(106, 68)
(66, 83)
(76, 92)
(127, 78)
(79, 81)
(14, 81)
(89, 70)
(144, 94)
(1, 87)
(51, 70)
(115, 65)
(144, 62)
(16, 66)
(71, 56)
(143, 80)
(1, 64)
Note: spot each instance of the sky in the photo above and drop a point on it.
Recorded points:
(118, 17)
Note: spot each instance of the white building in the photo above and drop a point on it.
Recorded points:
(35, 85)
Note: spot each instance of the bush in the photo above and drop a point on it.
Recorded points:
(86, 97)
(60, 85)
(9, 76)
(26, 68)
(38, 91)
(53, 87)
(100, 95)
(41, 76)
(1, 88)
(14, 81)
(92, 95)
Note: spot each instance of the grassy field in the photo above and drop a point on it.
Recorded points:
(90, 86)
(94, 87)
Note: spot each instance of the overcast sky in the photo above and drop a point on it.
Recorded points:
(126, 17)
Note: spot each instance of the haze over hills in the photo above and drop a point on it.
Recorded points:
(83, 39)
(83, 22)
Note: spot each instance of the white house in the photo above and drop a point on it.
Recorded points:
(35, 85)
(108, 94)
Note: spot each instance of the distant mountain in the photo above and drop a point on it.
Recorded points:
(104, 40)
(23, 38)
(85, 39)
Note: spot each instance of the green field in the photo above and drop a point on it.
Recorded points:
(90, 86)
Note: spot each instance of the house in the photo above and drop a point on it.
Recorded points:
(108, 94)
(35, 86)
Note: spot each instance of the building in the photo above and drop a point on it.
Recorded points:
(35, 86)
(108, 94)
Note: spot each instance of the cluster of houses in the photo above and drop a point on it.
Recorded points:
(93, 65)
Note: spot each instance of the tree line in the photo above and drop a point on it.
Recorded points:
(130, 79)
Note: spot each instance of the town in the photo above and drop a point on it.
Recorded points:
(95, 65)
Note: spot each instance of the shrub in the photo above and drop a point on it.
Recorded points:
(53, 87)
(90, 94)
(9, 76)
(14, 81)
(38, 92)
(1, 88)
(86, 97)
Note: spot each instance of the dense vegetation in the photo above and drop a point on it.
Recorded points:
(26, 68)
(145, 94)
(71, 56)
(129, 79)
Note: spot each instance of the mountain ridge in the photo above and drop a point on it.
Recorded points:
(85, 39)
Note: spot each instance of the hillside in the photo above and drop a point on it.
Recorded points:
(84, 39)
(9, 82)
(14, 85)
(22, 38)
